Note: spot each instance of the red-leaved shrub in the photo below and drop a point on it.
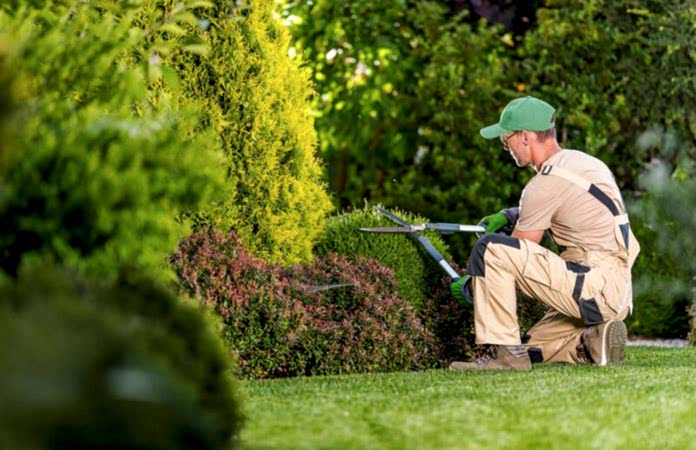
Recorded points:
(335, 316)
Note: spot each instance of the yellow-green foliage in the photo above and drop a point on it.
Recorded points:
(256, 99)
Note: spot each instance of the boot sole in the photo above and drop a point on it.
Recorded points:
(614, 340)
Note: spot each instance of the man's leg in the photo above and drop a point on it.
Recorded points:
(556, 338)
(501, 263)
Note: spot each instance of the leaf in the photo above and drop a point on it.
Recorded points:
(171, 78)
(200, 4)
(173, 29)
(196, 49)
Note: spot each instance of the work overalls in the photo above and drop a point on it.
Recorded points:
(582, 288)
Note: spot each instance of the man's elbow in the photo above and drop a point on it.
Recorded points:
(534, 236)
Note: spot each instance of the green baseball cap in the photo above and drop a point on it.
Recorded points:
(526, 113)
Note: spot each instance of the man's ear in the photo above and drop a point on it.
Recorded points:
(525, 137)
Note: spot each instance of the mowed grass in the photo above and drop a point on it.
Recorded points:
(647, 403)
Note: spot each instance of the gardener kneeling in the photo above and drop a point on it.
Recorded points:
(588, 286)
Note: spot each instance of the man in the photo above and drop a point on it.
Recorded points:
(588, 287)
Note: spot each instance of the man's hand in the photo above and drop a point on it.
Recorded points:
(461, 291)
(503, 221)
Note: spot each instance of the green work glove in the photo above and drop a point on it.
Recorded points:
(461, 291)
(503, 221)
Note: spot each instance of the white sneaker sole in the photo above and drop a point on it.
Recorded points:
(613, 343)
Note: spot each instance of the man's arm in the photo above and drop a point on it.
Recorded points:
(534, 236)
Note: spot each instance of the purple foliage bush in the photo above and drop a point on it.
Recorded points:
(338, 315)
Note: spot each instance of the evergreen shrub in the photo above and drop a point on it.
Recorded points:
(338, 315)
(414, 269)
(95, 177)
(256, 100)
(117, 366)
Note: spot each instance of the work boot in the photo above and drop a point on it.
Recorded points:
(604, 343)
(498, 357)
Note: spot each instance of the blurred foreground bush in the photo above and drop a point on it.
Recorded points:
(338, 315)
(94, 178)
(88, 365)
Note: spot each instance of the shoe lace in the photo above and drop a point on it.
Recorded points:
(487, 353)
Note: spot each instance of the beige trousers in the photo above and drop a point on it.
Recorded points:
(579, 296)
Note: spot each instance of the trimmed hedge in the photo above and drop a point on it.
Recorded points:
(338, 315)
(414, 269)
(127, 366)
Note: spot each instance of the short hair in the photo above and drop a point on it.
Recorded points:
(545, 135)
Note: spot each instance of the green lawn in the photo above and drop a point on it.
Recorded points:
(648, 403)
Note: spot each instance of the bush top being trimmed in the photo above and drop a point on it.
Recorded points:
(414, 269)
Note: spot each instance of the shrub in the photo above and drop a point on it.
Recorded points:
(127, 366)
(414, 269)
(295, 321)
(95, 178)
(362, 327)
(255, 100)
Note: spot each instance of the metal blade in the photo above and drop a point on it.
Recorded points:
(391, 216)
(389, 230)
(423, 241)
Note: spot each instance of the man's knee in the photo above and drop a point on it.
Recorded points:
(476, 265)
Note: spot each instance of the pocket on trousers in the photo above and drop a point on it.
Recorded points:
(612, 294)
(546, 268)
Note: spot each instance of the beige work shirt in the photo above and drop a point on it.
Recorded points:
(575, 218)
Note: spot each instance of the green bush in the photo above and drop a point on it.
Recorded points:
(415, 271)
(255, 99)
(95, 177)
(96, 365)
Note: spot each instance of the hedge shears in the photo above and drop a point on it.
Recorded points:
(412, 231)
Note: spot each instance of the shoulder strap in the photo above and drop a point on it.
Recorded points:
(586, 185)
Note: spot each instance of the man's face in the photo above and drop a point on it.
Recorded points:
(513, 143)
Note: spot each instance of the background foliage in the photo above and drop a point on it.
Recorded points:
(416, 83)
